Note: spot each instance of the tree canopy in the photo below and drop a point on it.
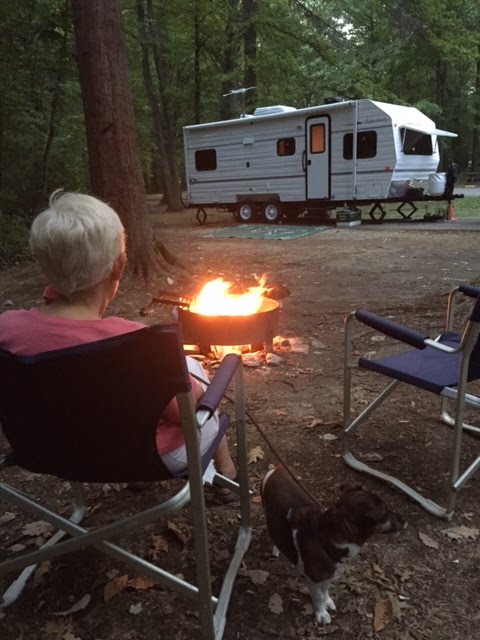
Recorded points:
(183, 55)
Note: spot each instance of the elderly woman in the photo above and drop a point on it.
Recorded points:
(79, 243)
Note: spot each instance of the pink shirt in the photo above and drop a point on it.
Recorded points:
(27, 332)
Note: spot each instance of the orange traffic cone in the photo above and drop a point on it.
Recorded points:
(451, 213)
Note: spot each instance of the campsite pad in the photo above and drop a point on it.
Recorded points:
(266, 232)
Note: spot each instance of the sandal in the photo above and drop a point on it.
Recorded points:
(226, 495)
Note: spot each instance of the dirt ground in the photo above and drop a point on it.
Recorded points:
(419, 584)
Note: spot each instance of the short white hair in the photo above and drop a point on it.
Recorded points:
(76, 241)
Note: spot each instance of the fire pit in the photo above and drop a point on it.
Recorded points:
(255, 328)
(221, 315)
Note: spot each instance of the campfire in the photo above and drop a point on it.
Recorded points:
(221, 298)
(226, 318)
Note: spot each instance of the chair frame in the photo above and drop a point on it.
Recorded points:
(457, 395)
(212, 609)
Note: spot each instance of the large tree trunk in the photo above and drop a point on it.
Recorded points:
(113, 149)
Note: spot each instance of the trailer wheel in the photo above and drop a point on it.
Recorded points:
(272, 212)
(245, 212)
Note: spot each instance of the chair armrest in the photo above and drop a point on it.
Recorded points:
(470, 291)
(219, 383)
(392, 329)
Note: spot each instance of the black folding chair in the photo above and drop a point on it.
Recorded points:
(443, 366)
(89, 414)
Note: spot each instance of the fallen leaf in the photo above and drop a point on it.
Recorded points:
(79, 606)
(40, 571)
(38, 528)
(116, 585)
(141, 583)
(328, 437)
(279, 412)
(275, 603)
(257, 499)
(307, 609)
(8, 516)
(57, 628)
(158, 545)
(427, 540)
(255, 454)
(372, 457)
(462, 533)
(257, 576)
(385, 611)
(180, 533)
(135, 609)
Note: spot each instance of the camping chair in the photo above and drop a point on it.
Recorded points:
(443, 366)
(89, 414)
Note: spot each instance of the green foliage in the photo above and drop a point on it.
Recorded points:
(14, 229)
(424, 53)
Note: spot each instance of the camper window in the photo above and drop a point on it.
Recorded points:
(206, 160)
(286, 147)
(317, 138)
(416, 143)
(366, 145)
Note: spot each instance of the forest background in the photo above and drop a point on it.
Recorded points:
(184, 55)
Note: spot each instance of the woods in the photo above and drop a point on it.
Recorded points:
(183, 56)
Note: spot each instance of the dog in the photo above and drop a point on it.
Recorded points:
(320, 542)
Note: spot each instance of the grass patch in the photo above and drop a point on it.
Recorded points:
(463, 207)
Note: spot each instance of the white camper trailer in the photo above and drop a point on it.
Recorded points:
(284, 161)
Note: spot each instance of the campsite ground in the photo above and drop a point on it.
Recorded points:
(419, 584)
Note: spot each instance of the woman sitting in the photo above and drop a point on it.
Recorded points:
(79, 243)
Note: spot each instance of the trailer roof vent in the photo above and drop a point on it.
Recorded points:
(268, 111)
(333, 100)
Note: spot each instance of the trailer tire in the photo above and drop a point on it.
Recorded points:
(246, 211)
(272, 212)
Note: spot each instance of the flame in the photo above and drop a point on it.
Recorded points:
(216, 299)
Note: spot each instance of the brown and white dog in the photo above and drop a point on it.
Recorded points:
(320, 542)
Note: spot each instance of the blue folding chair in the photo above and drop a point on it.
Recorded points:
(89, 414)
(443, 366)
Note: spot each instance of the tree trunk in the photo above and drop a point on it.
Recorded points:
(250, 51)
(230, 55)
(113, 149)
(154, 107)
(196, 67)
(476, 119)
(56, 99)
(172, 185)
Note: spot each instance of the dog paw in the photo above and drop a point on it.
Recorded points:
(322, 617)
(330, 604)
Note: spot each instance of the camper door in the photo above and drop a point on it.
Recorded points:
(318, 157)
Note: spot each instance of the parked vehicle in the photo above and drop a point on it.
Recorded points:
(283, 161)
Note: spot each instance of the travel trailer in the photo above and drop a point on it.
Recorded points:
(283, 161)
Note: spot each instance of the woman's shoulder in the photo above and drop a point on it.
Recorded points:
(118, 322)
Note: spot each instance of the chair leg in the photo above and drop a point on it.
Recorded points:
(18, 585)
(349, 428)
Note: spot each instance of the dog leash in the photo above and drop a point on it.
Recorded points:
(269, 444)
